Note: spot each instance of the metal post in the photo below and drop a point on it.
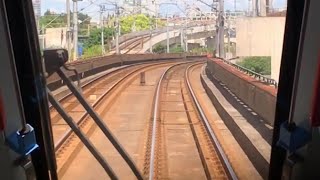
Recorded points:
(229, 43)
(181, 37)
(68, 28)
(150, 41)
(186, 34)
(168, 43)
(150, 34)
(117, 30)
(221, 29)
(217, 38)
(75, 29)
(142, 78)
(102, 28)
(254, 7)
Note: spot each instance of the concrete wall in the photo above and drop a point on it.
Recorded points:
(95, 65)
(52, 37)
(258, 96)
(199, 38)
(261, 36)
(202, 30)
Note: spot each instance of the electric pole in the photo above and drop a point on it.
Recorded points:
(181, 37)
(267, 7)
(255, 7)
(150, 41)
(221, 29)
(102, 9)
(75, 29)
(228, 34)
(68, 34)
(217, 6)
(186, 34)
(168, 43)
(117, 30)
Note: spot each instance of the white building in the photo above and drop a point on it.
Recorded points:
(37, 10)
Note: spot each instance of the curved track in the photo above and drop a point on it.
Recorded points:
(180, 137)
(131, 46)
(176, 138)
(95, 91)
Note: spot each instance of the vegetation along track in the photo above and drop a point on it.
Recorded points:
(96, 91)
(181, 143)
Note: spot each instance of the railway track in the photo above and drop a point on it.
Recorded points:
(130, 45)
(180, 137)
(131, 49)
(95, 91)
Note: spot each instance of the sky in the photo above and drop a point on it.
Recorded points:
(91, 7)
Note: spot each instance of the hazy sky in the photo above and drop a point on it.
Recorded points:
(92, 8)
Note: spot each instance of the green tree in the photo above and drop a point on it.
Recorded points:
(159, 48)
(202, 50)
(258, 64)
(138, 22)
(84, 18)
(142, 22)
(95, 37)
(126, 24)
(92, 51)
(176, 49)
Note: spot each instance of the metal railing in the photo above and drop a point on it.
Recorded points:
(251, 73)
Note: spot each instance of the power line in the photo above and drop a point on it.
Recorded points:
(91, 3)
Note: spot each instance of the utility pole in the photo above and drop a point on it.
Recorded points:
(117, 30)
(168, 43)
(221, 29)
(150, 41)
(181, 37)
(186, 34)
(255, 7)
(216, 7)
(102, 9)
(75, 29)
(229, 43)
(68, 35)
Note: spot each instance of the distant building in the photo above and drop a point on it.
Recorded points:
(261, 36)
(148, 7)
(37, 10)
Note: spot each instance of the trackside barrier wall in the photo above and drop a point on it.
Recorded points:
(88, 67)
(257, 95)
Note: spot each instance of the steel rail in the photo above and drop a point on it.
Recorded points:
(107, 74)
(154, 120)
(135, 44)
(214, 139)
(102, 126)
(85, 115)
